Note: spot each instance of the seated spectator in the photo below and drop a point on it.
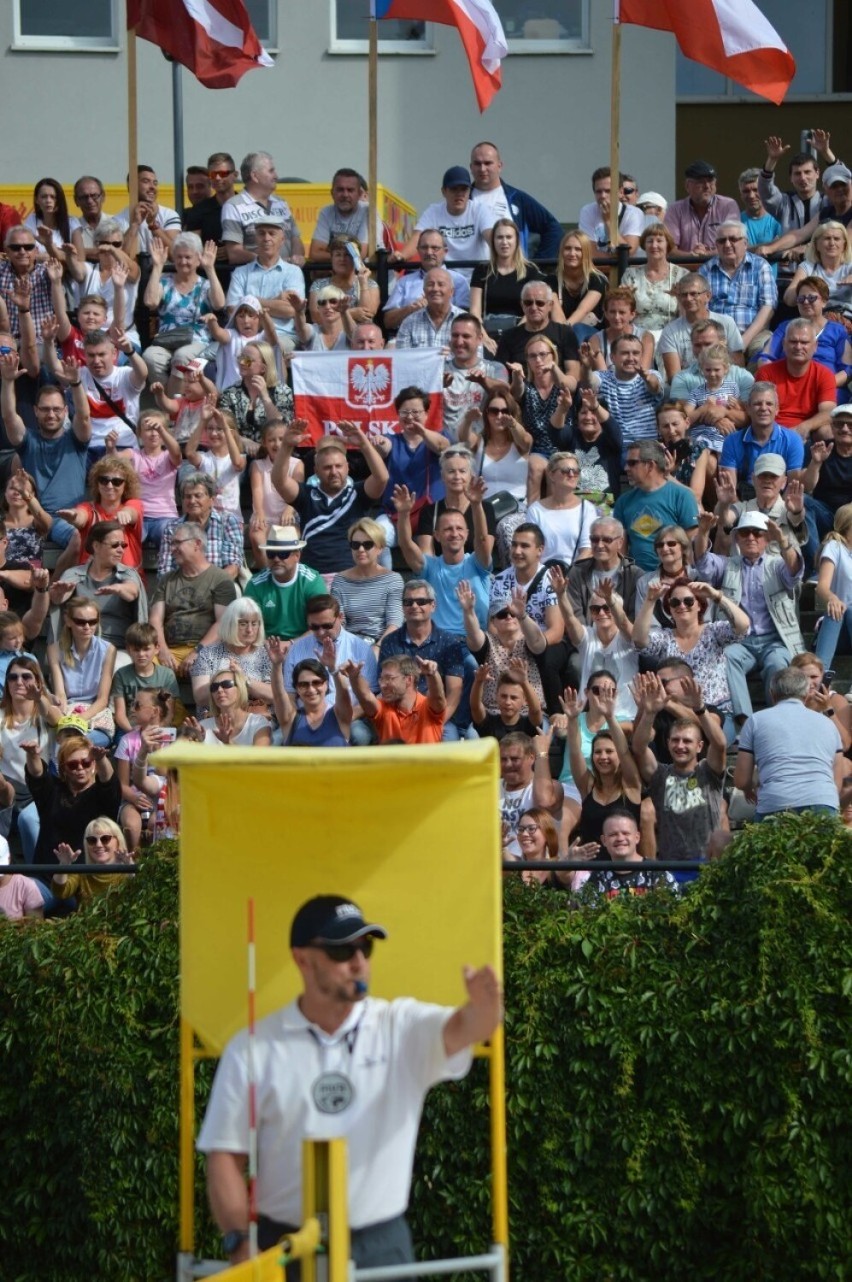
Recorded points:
(162, 790)
(81, 665)
(684, 696)
(579, 287)
(181, 301)
(608, 561)
(411, 457)
(85, 788)
(26, 713)
(630, 392)
(513, 643)
(564, 519)
(762, 436)
(514, 693)
(717, 390)
(306, 720)
(591, 721)
(347, 215)
(148, 218)
(495, 287)
(693, 465)
(456, 464)
(446, 571)
(596, 440)
(538, 302)
(156, 460)
(538, 839)
(407, 296)
(595, 218)
(325, 634)
(57, 332)
(526, 782)
(605, 642)
(205, 217)
(24, 282)
(834, 588)
(111, 390)
(231, 725)
(114, 489)
(419, 638)
(222, 532)
(620, 839)
(675, 561)
(116, 588)
(654, 281)
(777, 497)
(348, 274)
(265, 275)
(794, 208)
(327, 509)
(259, 397)
(695, 220)
(675, 346)
(402, 713)
(141, 673)
(761, 227)
(466, 224)
(652, 502)
(702, 645)
(19, 896)
(89, 196)
(190, 600)
(283, 590)
(14, 631)
(150, 709)
(500, 445)
(112, 275)
(767, 588)
(268, 507)
(796, 753)
(609, 780)
(828, 257)
(369, 595)
(26, 522)
(431, 325)
(619, 311)
(687, 794)
(468, 378)
(198, 186)
(49, 221)
(222, 460)
(742, 286)
(807, 391)
(334, 323)
(539, 385)
(828, 478)
(193, 393)
(706, 334)
(245, 215)
(833, 346)
(104, 843)
(821, 697)
(242, 647)
(248, 322)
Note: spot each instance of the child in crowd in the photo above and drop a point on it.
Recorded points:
(222, 459)
(514, 692)
(186, 408)
(142, 673)
(163, 790)
(268, 507)
(245, 325)
(156, 463)
(93, 312)
(715, 410)
(12, 642)
(151, 708)
(694, 464)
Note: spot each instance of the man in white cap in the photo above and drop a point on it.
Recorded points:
(653, 206)
(283, 590)
(765, 586)
(337, 1063)
(780, 500)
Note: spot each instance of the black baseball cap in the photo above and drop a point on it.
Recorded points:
(700, 169)
(331, 919)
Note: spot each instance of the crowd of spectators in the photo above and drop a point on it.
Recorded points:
(586, 555)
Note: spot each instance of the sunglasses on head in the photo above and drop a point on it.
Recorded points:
(345, 952)
(221, 685)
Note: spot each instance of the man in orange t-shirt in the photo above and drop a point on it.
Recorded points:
(401, 713)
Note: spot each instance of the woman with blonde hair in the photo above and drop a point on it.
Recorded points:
(564, 519)
(495, 287)
(329, 332)
(241, 646)
(370, 595)
(351, 276)
(828, 257)
(538, 387)
(579, 286)
(258, 397)
(232, 725)
(821, 697)
(114, 488)
(834, 588)
(81, 667)
(104, 844)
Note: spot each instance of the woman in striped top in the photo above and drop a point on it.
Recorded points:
(370, 596)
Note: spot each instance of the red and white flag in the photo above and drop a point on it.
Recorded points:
(729, 36)
(213, 38)
(478, 23)
(331, 387)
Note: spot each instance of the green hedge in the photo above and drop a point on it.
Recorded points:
(678, 1079)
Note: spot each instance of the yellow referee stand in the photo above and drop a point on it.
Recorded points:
(410, 833)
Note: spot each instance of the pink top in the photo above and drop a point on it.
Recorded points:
(20, 895)
(156, 474)
(273, 504)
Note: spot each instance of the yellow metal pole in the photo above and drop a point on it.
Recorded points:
(187, 1137)
(310, 1201)
(337, 1191)
(499, 1181)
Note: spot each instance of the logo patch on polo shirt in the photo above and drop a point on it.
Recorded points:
(332, 1092)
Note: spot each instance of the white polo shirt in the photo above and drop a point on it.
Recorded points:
(365, 1083)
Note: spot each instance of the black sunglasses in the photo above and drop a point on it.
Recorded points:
(417, 600)
(502, 614)
(345, 952)
(221, 685)
(321, 627)
(272, 555)
(363, 544)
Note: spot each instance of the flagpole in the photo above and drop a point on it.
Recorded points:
(132, 144)
(614, 128)
(373, 154)
(177, 135)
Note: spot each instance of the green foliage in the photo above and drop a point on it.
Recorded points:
(678, 1082)
(678, 1079)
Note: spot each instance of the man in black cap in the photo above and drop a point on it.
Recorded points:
(694, 220)
(336, 1063)
(465, 225)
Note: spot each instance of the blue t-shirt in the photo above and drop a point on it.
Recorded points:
(445, 579)
(59, 468)
(795, 750)
(741, 449)
(644, 514)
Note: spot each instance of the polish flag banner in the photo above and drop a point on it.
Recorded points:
(359, 387)
(729, 36)
(479, 26)
(214, 39)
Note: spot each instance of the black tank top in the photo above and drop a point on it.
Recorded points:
(592, 816)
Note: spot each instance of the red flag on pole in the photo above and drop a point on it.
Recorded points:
(214, 39)
(729, 36)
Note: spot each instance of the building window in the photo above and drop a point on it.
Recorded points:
(546, 26)
(66, 24)
(350, 30)
(264, 19)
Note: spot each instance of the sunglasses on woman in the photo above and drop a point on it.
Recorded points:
(221, 685)
(361, 545)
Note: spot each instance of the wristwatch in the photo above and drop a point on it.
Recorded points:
(233, 1240)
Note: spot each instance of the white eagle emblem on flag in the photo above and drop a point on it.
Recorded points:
(370, 382)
